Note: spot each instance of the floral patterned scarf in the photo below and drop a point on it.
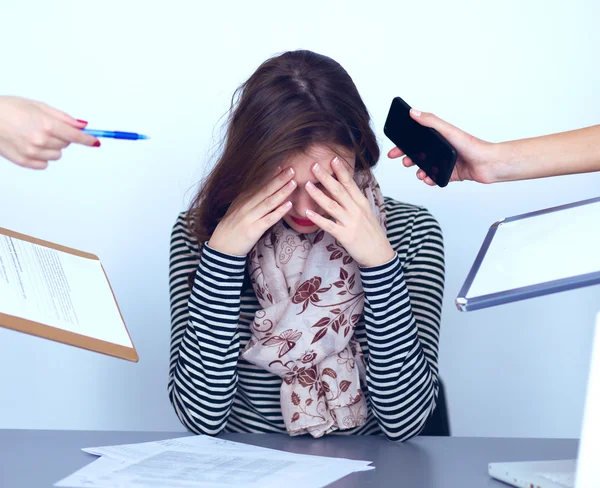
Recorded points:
(311, 296)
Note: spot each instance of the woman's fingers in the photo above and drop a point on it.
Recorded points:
(269, 220)
(70, 134)
(338, 192)
(395, 153)
(48, 155)
(407, 162)
(346, 179)
(326, 224)
(36, 164)
(273, 201)
(32, 157)
(271, 188)
(30, 163)
(424, 178)
(62, 116)
(54, 143)
(330, 206)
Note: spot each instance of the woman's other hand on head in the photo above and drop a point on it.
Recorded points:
(32, 133)
(353, 222)
(250, 216)
(476, 161)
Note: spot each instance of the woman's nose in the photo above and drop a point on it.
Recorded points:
(303, 202)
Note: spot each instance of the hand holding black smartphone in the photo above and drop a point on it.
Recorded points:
(424, 146)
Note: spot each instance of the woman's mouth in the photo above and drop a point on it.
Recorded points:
(302, 222)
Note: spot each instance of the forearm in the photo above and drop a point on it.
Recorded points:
(205, 345)
(402, 384)
(576, 151)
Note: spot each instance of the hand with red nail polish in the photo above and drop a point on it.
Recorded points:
(351, 219)
(250, 216)
(32, 133)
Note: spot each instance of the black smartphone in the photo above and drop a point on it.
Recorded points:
(425, 146)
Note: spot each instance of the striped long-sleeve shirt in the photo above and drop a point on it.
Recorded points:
(212, 389)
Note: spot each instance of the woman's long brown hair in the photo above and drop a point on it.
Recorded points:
(290, 103)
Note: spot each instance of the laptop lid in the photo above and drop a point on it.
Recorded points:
(534, 254)
(588, 465)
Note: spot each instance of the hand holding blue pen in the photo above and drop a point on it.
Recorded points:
(115, 134)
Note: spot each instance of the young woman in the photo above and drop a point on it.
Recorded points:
(302, 300)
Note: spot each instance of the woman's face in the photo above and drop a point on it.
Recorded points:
(301, 200)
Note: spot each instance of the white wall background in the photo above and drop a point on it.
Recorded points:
(500, 69)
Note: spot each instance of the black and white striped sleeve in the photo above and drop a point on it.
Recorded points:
(204, 335)
(403, 303)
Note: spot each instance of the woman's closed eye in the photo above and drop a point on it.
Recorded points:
(317, 184)
(320, 185)
(323, 189)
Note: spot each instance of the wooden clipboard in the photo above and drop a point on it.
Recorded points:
(60, 335)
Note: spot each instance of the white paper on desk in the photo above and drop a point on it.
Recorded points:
(58, 289)
(93, 474)
(128, 452)
(131, 452)
(213, 468)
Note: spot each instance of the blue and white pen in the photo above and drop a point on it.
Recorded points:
(132, 136)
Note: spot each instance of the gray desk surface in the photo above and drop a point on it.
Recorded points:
(40, 458)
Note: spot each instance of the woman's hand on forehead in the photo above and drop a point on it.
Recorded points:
(353, 222)
(303, 162)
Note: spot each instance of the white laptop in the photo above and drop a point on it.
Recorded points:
(583, 473)
(536, 254)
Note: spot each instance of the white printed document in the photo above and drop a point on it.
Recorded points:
(61, 294)
(203, 461)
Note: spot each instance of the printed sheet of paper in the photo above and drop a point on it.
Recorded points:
(58, 289)
(131, 452)
(202, 461)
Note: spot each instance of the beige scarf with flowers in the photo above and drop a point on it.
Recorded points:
(311, 296)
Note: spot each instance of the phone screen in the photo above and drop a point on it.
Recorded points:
(425, 146)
